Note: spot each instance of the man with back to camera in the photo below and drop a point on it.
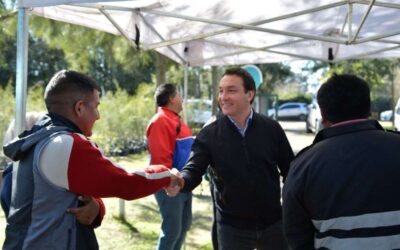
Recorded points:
(170, 140)
(341, 192)
(246, 152)
(58, 163)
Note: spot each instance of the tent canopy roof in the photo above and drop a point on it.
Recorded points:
(216, 32)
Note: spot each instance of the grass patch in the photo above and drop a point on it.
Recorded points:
(139, 229)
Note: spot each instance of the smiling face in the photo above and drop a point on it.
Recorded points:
(233, 98)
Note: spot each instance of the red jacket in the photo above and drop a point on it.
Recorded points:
(169, 139)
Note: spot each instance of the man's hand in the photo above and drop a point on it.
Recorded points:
(177, 183)
(87, 213)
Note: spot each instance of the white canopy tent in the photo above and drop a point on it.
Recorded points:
(218, 32)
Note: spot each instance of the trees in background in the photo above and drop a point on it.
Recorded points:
(108, 58)
(117, 66)
(380, 74)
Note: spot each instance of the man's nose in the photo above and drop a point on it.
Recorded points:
(222, 95)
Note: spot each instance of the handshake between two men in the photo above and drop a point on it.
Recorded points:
(177, 183)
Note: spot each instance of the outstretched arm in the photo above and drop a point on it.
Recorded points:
(76, 164)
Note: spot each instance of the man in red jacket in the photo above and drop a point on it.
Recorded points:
(58, 163)
(170, 142)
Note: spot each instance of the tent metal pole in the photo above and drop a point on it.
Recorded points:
(294, 55)
(201, 62)
(388, 41)
(379, 4)
(161, 37)
(377, 37)
(370, 52)
(115, 24)
(256, 48)
(222, 31)
(251, 49)
(21, 70)
(185, 91)
(349, 21)
(362, 21)
(121, 209)
(248, 27)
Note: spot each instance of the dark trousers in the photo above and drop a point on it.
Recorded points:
(270, 238)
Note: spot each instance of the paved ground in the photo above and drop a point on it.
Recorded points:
(296, 133)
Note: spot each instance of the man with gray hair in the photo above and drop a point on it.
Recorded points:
(170, 141)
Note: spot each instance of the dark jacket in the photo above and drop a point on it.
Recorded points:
(342, 192)
(244, 170)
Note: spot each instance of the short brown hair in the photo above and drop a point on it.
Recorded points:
(67, 87)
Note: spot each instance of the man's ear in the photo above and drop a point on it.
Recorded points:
(325, 121)
(170, 100)
(78, 108)
(252, 93)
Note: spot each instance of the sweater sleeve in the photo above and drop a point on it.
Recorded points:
(76, 164)
(197, 165)
(161, 143)
(102, 211)
(286, 155)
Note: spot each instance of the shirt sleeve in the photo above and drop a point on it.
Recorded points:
(76, 164)
(161, 143)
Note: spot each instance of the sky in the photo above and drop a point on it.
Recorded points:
(313, 79)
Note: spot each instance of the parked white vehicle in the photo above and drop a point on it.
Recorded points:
(290, 110)
(386, 115)
(397, 116)
(314, 119)
(198, 111)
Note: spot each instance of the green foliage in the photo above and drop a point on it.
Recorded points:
(106, 57)
(123, 122)
(381, 103)
(124, 119)
(7, 104)
(374, 71)
(7, 45)
(274, 74)
(299, 98)
(43, 61)
(35, 100)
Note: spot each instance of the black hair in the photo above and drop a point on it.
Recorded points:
(248, 81)
(163, 93)
(344, 97)
(66, 87)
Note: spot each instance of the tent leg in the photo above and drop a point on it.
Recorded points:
(21, 70)
(349, 21)
(185, 90)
